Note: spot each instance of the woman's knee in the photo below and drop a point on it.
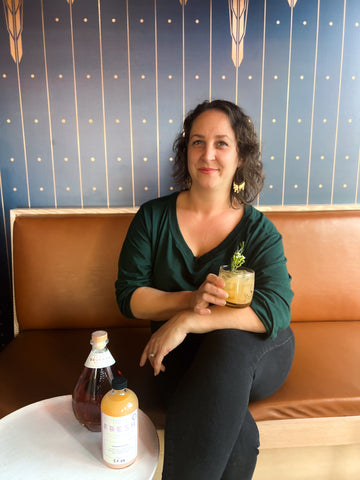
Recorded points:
(274, 366)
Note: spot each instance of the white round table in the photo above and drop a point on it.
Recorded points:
(45, 441)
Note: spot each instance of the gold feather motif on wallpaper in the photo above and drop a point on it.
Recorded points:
(238, 10)
(14, 24)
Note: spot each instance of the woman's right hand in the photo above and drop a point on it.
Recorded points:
(211, 292)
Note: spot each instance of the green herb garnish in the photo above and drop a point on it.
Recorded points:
(238, 258)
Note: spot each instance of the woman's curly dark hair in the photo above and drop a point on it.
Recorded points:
(251, 169)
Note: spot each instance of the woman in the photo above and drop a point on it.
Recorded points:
(212, 359)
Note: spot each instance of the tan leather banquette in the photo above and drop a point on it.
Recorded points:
(64, 269)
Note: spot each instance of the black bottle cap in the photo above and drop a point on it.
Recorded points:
(119, 383)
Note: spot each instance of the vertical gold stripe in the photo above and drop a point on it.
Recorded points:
(103, 107)
(157, 99)
(130, 105)
(183, 56)
(357, 179)
(338, 104)
(76, 105)
(210, 52)
(262, 77)
(48, 103)
(23, 130)
(262, 86)
(238, 6)
(17, 61)
(287, 105)
(313, 103)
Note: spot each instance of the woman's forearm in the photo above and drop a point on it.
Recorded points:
(224, 318)
(151, 304)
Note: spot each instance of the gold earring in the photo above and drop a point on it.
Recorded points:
(237, 188)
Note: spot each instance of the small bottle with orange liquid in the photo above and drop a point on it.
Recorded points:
(119, 425)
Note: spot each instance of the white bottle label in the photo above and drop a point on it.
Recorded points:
(99, 359)
(119, 438)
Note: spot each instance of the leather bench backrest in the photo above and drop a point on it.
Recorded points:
(65, 267)
(323, 252)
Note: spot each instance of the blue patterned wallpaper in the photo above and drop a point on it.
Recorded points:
(93, 92)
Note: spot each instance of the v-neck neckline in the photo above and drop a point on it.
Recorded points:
(182, 244)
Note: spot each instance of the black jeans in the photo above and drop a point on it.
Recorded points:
(209, 380)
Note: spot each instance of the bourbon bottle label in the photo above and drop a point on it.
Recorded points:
(99, 359)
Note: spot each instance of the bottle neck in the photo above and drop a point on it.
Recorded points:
(99, 356)
(99, 346)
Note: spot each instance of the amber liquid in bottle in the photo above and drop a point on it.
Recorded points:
(94, 382)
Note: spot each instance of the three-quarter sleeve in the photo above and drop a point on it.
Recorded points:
(135, 262)
(272, 294)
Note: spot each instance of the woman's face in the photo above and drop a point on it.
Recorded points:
(212, 151)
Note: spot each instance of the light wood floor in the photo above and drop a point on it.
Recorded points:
(339, 462)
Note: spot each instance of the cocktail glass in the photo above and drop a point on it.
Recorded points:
(239, 285)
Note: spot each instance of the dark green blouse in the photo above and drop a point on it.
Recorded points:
(156, 255)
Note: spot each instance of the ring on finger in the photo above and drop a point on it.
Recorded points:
(151, 355)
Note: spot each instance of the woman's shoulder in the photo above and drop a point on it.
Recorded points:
(259, 220)
(156, 210)
(159, 204)
(154, 214)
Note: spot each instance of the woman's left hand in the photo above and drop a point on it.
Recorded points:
(163, 341)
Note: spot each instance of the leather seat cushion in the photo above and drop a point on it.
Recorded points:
(325, 377)
(39, 364)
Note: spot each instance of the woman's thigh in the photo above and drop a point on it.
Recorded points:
(253, 359)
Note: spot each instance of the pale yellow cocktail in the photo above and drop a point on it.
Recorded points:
(239, 285)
